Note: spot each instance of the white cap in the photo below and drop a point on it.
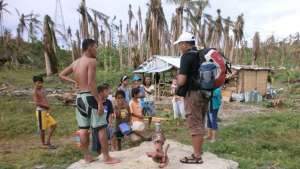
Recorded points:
(185, 37)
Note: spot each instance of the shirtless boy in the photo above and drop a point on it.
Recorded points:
(89, 107)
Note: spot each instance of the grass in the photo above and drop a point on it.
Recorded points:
(260, 141)
(255, 142)
(22, 77)
(18, 125)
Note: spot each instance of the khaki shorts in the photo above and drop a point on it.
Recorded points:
(195, 105)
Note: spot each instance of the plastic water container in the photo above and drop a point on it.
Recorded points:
(125, 128)
(76, 138)
(157, 127)
(247, 96)
(259, 98)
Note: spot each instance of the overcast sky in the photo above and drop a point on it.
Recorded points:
(278, 17)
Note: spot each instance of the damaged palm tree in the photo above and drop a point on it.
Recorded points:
(3, 10)
(34, 24)
(95, 28)
(102, 37)
(84, 26)
(22, 25)
(10, 51)
(217, 33)
(270, 46)
(227, 25)
(50, 45)
(74, 45)
(78, 41)
(136, 59)
(195, 10)
(129, 36)
(176, 28)
(156, 27)
(140, 36)
(238, 32)
(120, 44)
(210, 29)
(194, 15)
(203, 34)
(104, 19)
(255, 48)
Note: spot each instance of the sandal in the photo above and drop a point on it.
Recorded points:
(50, 146)
(192, 160)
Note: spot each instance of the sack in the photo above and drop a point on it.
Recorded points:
(212, 72)
(125, 128)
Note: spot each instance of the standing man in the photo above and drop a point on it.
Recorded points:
(89, 107)
(195, 103)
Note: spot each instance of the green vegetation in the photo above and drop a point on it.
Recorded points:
(260, 141)
(264, 141)
(255, 142)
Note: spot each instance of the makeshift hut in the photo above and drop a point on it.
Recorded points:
(246, 78)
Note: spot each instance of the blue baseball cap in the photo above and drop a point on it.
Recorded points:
(136, 78)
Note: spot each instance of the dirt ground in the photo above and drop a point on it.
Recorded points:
(229, 111)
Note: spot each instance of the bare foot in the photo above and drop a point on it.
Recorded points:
(126, 137)
(149, 154)
(89, 159)
(164, 164)
(111, 160)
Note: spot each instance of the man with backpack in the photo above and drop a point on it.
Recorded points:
(195, 102)
(200, 73)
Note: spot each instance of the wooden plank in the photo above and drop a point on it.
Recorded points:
(249, 80)
(240, 82)
(261, 84)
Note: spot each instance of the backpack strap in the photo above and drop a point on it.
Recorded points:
(228, 66)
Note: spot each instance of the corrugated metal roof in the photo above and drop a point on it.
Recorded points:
(249, 67)
(158, 63)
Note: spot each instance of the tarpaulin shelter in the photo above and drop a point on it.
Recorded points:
(158, 64)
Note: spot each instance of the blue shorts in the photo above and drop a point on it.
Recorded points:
(96, 145)
(149, 109)
(212, 119)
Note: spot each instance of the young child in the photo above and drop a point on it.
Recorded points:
(136, 110)
(149, 108)
(137, 117)
(177, 102)
(103, 92)
(212, 115)
(124, 86)
(137, 83)
(122, 114)
(45, 120)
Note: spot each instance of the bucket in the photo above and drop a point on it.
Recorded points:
(125, 128)
(247, 96)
